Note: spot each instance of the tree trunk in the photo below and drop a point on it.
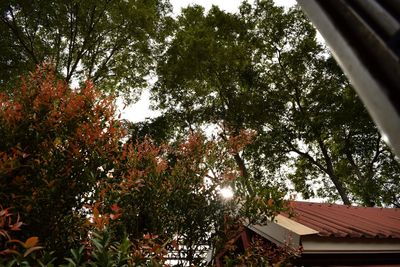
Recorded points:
(330, 171)
(339, 187)
(243, 171)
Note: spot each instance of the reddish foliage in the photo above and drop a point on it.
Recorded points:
(62, 151)
(57, 142)
(9, 223)
(236, 143)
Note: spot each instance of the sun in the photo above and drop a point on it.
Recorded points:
(226, 192)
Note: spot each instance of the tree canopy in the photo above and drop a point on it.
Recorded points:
(262, 69)
(111, 43)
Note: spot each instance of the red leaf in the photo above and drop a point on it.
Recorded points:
(31, 242)
(174, 244)
(5, 212)
(16, 226)
(115, 216)
(147, 236)
(115, 207)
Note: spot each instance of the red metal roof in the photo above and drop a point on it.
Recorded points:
(347, 221)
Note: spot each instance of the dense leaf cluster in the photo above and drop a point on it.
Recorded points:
(68, 168)
(109, 42)
(262, 69)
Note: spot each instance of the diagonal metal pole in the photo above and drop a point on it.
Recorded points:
(364, 37)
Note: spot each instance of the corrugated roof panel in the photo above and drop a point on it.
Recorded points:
(347, 221)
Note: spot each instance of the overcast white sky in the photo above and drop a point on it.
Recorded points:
(140, 110)
(227, 5)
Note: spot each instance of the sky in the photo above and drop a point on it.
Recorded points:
(227, 5)
(141, 109)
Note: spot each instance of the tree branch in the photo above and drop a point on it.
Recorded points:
(14, 29)
(306, 155)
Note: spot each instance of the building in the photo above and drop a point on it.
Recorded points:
(332, 235)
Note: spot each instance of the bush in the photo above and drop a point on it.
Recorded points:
(55, 148)
(65, 167)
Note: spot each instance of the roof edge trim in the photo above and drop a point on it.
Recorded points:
(295, 227)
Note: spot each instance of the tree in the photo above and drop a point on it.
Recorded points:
(262, 69)
(67, 169)
(108, 42)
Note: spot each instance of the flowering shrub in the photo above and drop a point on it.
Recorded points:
(55, 148)
(65, 167)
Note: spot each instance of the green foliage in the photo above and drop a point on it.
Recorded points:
(102, 252)
(263, 70)
(181, 207)
(65, 168)
(110, 42)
